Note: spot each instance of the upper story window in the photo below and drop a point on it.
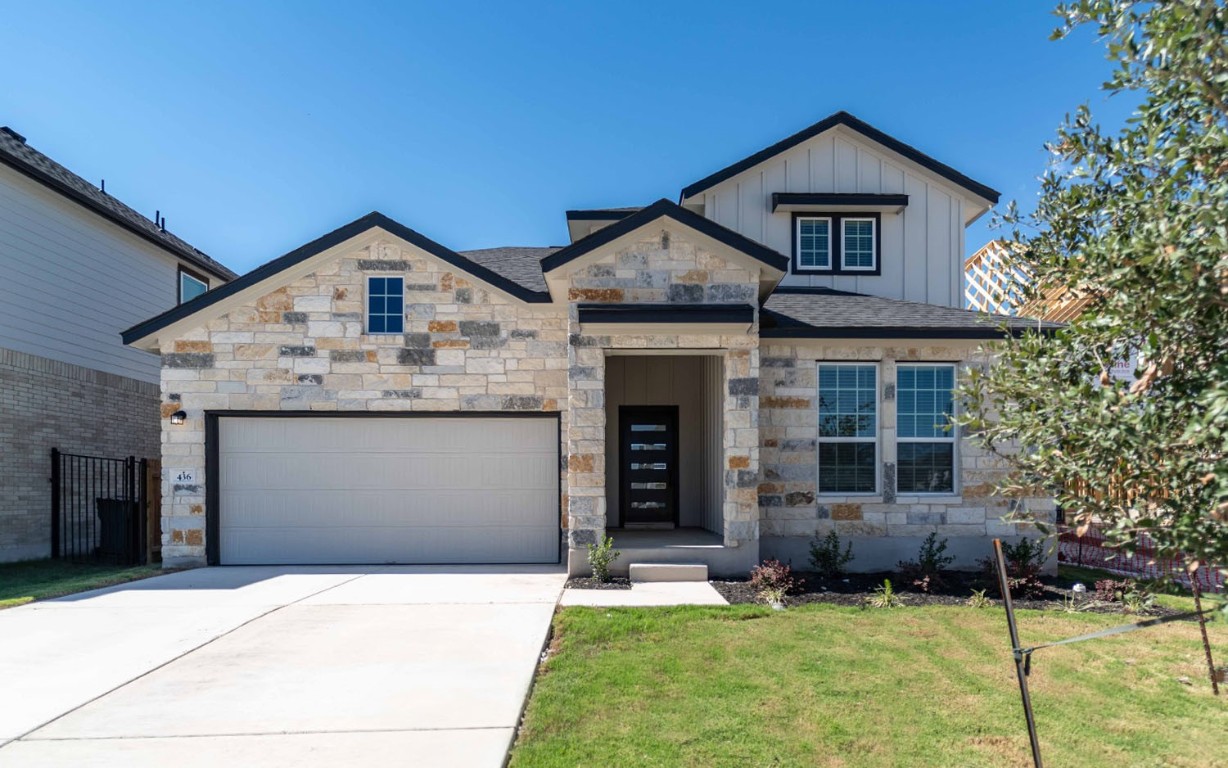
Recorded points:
(837, 243)
(191, 285)
(814, 243)
(848, 428)
(385, 304)
(926, 437)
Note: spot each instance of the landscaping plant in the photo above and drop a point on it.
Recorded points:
(1023, 563)
(772, 580)
(600, 556)
(826, 558)
(1130, 225)
(978, 599)
(885, 597)
(925, 573)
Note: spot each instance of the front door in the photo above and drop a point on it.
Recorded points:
(648, 466)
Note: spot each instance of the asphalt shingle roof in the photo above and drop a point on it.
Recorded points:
(15, 152)
(824, 312)
(519, 264)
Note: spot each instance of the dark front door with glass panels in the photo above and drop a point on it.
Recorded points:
(648, 466)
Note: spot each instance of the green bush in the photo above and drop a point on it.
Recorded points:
(826, 558)
(600, 556)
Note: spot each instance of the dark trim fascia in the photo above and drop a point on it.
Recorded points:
(212, 490)
(837, 243)
(666, 313)
(336, 237)
(58, 186)
(789, 329)
(865, 129)
(669, 209)
(600, 214)
(810, 290)
(179, 281)
(837, 198)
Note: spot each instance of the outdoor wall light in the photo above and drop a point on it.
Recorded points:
(178, 417)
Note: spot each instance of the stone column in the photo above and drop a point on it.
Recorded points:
(741, 441)
(586, 493)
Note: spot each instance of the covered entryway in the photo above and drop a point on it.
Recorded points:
(294, 488)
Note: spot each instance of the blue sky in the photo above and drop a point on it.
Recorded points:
(255, 127)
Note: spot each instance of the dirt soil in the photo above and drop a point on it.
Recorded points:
(957, 586)
(588, 582)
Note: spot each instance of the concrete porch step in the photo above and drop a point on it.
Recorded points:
(668, 572)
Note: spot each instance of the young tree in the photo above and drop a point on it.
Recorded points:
(1135, 224)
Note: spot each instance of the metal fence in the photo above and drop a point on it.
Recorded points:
(1091, 550)
(98, 508)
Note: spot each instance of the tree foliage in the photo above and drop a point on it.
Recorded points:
(1135, 224)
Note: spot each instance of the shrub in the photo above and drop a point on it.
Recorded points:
(600, 556)
(1112, 590)
(826, 558)
(772, 580)
(1138, 599)
(978, 599)
(1023, 563)
(884, 597)
(925, 573)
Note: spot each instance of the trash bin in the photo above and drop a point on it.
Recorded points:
(117, 530)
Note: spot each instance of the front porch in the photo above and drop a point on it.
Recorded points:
(682, 546)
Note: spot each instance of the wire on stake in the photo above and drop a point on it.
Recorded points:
(1023, 656)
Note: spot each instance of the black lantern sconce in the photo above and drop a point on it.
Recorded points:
(179, 417)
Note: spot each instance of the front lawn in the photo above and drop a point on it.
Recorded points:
(824, 685)
(32, 580)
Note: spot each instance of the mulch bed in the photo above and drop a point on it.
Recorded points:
(855, 588)
(588, 582)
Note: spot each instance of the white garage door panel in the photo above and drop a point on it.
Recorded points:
(388, 490)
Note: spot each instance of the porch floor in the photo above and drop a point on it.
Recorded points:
(679, 545)
(632, 538)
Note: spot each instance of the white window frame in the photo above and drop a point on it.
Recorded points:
(366, 306)
(844, 266)
(831, 244)
(876, 439)
(952, 438)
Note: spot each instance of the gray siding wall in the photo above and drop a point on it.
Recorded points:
(922, 247)
(693, 384)
(70, 281)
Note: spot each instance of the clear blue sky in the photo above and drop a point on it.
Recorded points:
(256, 127)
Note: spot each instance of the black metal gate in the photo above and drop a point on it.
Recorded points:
(97, 508)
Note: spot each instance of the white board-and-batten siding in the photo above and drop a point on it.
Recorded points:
(922, 247)
(70, 281)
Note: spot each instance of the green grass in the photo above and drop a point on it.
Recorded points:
(825, 685)
(25, 582)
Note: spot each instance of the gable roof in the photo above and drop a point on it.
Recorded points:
(319, 245)
(817, 313)
(863, 128)
(521, 265)
(20, 156)
(668, 209)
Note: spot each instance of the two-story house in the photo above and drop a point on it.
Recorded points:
(77, 266)
(714, 381)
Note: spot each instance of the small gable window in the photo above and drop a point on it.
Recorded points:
(858, 251)
(385, 304)
(814, 243)
(191, 285)
(836, 243)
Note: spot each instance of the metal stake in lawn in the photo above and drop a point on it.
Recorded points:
(1022, 660)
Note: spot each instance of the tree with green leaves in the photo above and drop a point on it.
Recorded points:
(1134, 224)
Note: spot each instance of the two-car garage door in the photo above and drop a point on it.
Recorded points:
(317, 489)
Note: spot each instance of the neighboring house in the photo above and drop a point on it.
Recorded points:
(76, 267)
(715, 380)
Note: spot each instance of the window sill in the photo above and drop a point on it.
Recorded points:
(929, 498)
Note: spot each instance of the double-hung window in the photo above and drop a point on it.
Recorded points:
(857, 237)
(925, 452)
(848, 428)
(837, 243)
(814, 242)
(385, 304)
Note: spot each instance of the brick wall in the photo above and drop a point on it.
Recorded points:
(887, 526)
(47, 404)
(302, 347)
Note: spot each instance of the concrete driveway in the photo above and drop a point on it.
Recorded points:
(287, 666)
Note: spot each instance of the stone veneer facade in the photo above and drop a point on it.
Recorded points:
(468, 347)
(884, 527)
